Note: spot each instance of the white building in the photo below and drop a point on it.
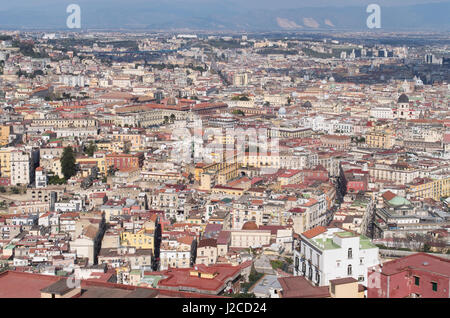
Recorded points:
(69, 206)
(73, 80)
(240, 79)
(325, 254)
(175, 258)
(40, 178)
(344, 128)
(382, 113)
(20, 167)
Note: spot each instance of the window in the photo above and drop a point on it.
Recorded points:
(350, 253)
(434, 286)
(349, 270)
(416, 280)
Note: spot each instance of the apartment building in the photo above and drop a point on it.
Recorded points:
(20, 167)
(325, 254)
(430, 188)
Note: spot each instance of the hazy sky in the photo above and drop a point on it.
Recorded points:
(286, 4)
(221, 14)
(264, 4)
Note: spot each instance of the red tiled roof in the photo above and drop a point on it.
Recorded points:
(310, 202)
(418, 261)
(207, 242)
(224, 237)
(314, 232)
(15, 284)
(388, 195)
(345, 280)
(299, 287)
(24, 285)
(180, 277)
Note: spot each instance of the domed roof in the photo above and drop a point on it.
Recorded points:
(250, 225)
(403, 99)
(171, 101)
(307, 104)
(282, 111)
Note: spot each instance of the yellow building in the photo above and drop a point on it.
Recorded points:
(225, 139)
(100, 161)
(380, 138)
(5, 162)
(5, 130)
(143, 239)
(202, 274)
(430, 188)
(347, 287)
(194, 220)
(236, 192)
(258, 160)
(113, 146)
(55, 167)
(134, 139)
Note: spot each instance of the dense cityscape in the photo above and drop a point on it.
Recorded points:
(242, 165)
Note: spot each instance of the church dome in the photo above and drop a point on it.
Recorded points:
(250, 225)
(307, 104)
(403, 99)
(171, 101)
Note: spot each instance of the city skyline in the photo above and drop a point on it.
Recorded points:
(237, 154)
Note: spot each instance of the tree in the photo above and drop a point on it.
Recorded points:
(238, 112)
(68, 163)
(254, 275)
(90, 149)
(172, 118)
(56, 180)
(243, 295)
(111, 171)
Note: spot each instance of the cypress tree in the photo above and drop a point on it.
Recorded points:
(68, 163)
